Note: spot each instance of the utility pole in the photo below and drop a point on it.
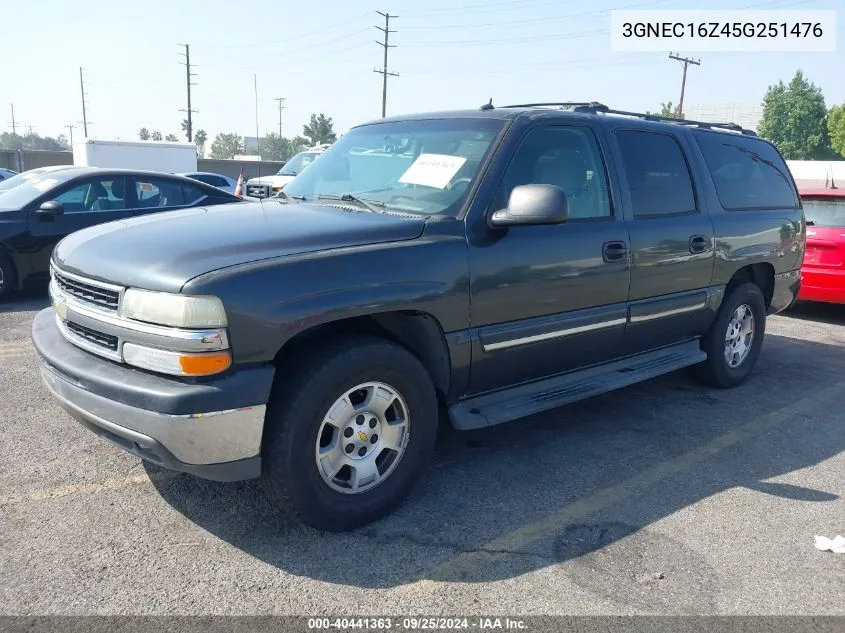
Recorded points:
(686, 61)
(84, 115)
(383, 72)
(30, 129)
(14, 130)
(281, 102)
(189, 75)
(70, 129)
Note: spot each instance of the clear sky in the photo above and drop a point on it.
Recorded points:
(320, 56)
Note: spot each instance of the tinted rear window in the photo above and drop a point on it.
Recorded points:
(658, 176)
(748, 172)
(824, 211)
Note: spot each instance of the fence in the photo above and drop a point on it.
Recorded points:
(21, 160)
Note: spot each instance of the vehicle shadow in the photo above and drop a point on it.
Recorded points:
(567, 485)
(831, 313)
(32, 298)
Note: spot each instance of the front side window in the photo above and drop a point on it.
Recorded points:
(297, 163)
(564, 156)
(657, 172)
(824, 211)
(748, 173)
(98, 194)
(426, 166)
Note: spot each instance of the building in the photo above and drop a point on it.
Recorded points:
(250, 145)
(747, 115)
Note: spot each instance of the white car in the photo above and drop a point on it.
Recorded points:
(267, 186)
(215, 180)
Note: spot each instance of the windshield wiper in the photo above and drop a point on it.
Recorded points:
(371, 205)
(285, 196)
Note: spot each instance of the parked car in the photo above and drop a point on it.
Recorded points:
(491, 263)
(266, 186)
(39, 212)
(220, 181)
(5, 174)
(823, 270)
(14, 181)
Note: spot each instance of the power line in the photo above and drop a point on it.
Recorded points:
(84, 114)
(281, 102)
(384, 72)
(686, 61)
(188, 76)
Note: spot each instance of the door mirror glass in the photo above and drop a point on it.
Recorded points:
(51, 207)
(533, 205)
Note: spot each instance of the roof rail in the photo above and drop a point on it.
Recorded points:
(578, 106)
(702, 124)
(594, 107)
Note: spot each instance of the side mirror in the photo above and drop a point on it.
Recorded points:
(533, 205)
(51, 207)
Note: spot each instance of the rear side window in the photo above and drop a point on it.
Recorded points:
(748, 172)
(214, 181)
(657, 172)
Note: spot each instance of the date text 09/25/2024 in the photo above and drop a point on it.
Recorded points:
(415, 624)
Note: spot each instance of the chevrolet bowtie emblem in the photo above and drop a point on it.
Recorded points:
(362, 436)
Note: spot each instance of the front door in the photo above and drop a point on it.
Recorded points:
(548, 299)
(86, 202)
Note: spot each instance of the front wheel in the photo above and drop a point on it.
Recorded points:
(349, 432)
(734, 341)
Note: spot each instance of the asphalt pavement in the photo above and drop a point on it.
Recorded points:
(663, 498)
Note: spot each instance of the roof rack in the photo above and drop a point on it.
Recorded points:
(594, 107)
(578, 106)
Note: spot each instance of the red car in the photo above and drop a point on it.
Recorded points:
(823, 271)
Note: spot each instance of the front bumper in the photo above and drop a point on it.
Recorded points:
(210, 428)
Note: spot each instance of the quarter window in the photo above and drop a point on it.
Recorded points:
(657, 172)
(748, 173)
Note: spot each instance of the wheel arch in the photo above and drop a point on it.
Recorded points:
(761, 274)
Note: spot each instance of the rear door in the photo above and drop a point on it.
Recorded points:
(672, 241)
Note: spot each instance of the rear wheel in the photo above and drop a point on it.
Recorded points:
(8, 276)
(734, 341)
(349, 434)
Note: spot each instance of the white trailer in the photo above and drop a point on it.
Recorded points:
(152, 155)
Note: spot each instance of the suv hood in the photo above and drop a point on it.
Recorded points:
(164, 251)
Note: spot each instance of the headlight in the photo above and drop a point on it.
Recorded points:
(164, 308)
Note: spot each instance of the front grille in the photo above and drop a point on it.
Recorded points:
(106, 341)
(87, 292)
(258, 191)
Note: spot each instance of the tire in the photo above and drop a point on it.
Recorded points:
(8, 276)
(718, 370)
(301, 448)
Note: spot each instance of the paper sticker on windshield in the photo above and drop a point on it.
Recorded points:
(433, 170)
(44, 185)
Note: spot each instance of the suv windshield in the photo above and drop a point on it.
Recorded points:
(425, 166)
(297, 163)
(824, 211)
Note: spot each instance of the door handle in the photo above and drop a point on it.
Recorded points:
(699, 244)
(614, 252)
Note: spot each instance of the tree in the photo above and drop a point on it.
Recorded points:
(200, 138)
(33, 141)
(185, 127)
(298, 144)
(320, 129)
(795, 119)
(171, 138)
(836, 128)
(227, 145)
(144, 134)
(156, 136)
(277, 148)
(666, 109)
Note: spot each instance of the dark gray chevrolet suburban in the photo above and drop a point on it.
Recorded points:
(485, 264)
